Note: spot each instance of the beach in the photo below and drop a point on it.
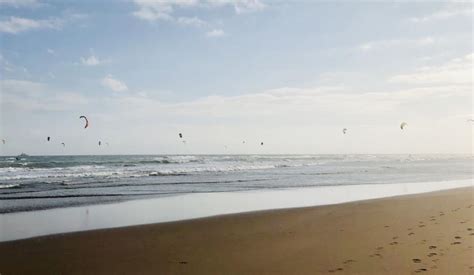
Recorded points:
(431, 232)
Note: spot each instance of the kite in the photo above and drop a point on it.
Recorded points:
(87, 121)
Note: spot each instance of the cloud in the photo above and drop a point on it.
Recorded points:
(91, 61)
(456, 71)
(241, 6)
(35, 96)
(383, 44)
(19, 3)
(442, 15)
(23, 87)
(191, 21)
(295, 104)
(114, 84)
(51, 51)
(215, 33)
(16, 25)
(9, 67)
(150, 10)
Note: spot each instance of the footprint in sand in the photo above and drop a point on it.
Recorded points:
(416, 260)
(183, 262)
(394, 238)
(457, 237)
(393, 243)
(471, 234)
(469, 229)
(411, 233)
(379, 248)
(454, 243)
(348, 261)
(432, 254)
(421, 225)
(421, 270)
(432, 247)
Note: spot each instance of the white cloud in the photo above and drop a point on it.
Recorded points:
(23, 87)
(9, 67)
(114, 84)
(215, 33)
(150, 10)
(20, 3)
(442, 15)
(91, 61)
(241, 6)
(16, 25)
(456, 71)
(35, 96)
(383, 44)
(51, 51)
(191, 21)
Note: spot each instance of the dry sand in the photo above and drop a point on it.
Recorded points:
(429, 233)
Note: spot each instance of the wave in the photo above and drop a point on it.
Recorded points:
(79, 169)
(211, 169)
(7, 186)
(63, 162)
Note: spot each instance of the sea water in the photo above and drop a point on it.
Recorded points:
(32, 183)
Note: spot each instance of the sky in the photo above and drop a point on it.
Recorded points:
(291, 74)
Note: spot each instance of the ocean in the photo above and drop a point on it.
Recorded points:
(42, 182)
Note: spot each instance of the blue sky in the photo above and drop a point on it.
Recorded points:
(292, 74)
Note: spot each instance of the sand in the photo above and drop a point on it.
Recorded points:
(428, 233)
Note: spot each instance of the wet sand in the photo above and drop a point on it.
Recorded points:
(428, 233)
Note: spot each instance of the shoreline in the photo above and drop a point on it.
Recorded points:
(23, 225)
(403, 234)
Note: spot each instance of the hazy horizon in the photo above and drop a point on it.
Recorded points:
(291, 75)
